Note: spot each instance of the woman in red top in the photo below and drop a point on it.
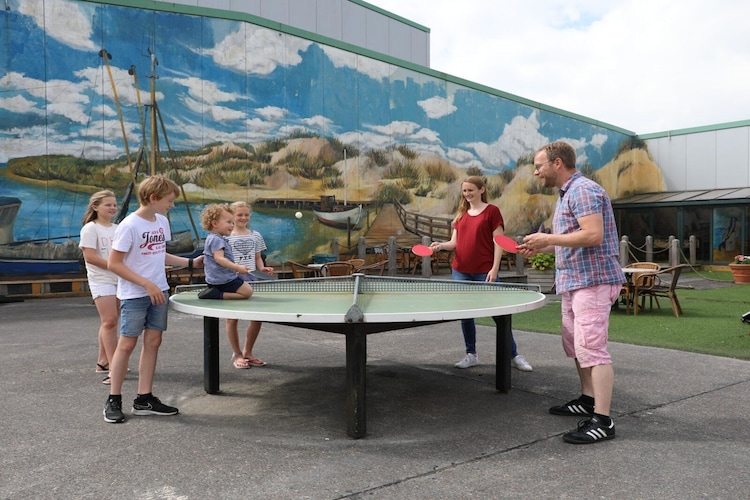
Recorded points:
(476, 257)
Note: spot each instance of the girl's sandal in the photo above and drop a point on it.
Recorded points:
(239, 362)
(255, 362)
(100, 368)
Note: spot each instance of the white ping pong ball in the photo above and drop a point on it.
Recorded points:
(298, 215)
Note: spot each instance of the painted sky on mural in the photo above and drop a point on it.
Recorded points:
(204, 96)
(643, 65)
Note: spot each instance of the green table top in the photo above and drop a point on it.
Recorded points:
(377, 300)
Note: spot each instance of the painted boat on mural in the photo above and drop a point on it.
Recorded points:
(33, 257)
(18, 258)
(340, 217)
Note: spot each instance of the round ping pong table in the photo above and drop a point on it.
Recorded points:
(357, 306)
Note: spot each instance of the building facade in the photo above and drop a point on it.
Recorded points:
(284, 100)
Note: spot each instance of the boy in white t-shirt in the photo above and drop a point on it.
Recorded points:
(138, 257)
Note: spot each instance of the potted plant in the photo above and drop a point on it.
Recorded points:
(545, 261)
(542, 271)
(741, 269)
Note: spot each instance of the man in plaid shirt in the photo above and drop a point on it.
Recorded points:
(589, 278)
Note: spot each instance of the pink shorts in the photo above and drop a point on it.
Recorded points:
(585, 323)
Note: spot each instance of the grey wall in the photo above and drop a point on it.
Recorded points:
(354, 22)
(708, 158)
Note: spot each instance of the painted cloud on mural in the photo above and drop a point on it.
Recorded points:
(65, 21)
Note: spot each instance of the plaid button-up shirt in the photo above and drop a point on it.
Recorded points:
(588, 266)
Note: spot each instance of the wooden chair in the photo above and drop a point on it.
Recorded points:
(337, 268)
(356, 263)
(376, 268)
(302, 271)
(441, 258)
(403, 259)
(509, 259)
(666, 289)
(638, 285)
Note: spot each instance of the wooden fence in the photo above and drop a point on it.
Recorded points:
(437, 228)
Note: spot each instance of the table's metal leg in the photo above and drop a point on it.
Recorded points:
(356, 368)
(211, 355)
(503, 352)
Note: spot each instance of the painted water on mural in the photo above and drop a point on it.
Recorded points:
(49, 213)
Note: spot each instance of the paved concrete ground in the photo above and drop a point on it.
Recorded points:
(433, 431)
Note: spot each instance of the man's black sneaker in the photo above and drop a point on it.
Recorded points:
(574, 408)
(113, 411)
(590, 431)
(152, 406)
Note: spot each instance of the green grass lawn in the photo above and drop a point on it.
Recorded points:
(710, 323)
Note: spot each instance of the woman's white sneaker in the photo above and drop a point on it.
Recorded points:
(469, 361)
(520, 363)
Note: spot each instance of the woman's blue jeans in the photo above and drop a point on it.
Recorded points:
(468, 327)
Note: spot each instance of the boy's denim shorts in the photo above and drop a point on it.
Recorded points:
(140, 314)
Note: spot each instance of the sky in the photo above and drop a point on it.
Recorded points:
(643, 65)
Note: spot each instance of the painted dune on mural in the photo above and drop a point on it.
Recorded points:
(524, 208)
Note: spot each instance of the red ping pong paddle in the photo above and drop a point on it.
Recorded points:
(421, 250)
(506, 243)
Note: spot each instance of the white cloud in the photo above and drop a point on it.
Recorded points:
(62, 20)
(195, 131)
(258, 125)
(373, 68)
(460, 156)
(319, 123)
(426, 135)
(63, 97)
(598, 140)
(518, 138)
(206, 91)
(643, 65)
(124, 83)
(366, 140)
(437, 107)
(19, 104)
(204, 96)
(217, 113)
(264, 50)
(225, 114)
(395, 129)
(272, 113)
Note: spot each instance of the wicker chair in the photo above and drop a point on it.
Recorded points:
(302, 271)
(337, 268)
(639, 285)
(376, 268)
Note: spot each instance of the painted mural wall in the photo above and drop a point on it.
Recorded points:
(94, 95)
